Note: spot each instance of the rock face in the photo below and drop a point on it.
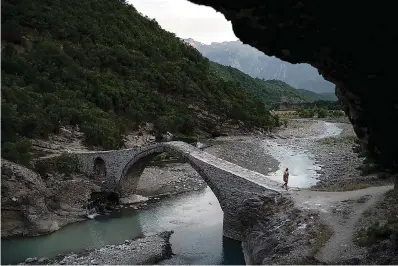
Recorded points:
(277, 233)
(32, 206)
(350, 44)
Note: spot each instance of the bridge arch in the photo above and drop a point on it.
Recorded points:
(133, 169)
(230, 183)
(99, 168)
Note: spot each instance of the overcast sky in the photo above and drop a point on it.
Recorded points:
(187, 20)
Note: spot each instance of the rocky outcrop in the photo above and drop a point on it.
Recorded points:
(352, 45)
(275, 232)
(31, 205)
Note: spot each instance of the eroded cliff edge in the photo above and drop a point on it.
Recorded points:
(32, 206)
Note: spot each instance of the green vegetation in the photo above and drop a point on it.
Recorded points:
(345, 186)
(65, 164)
(374, 234)
(381, 223)
(318, 96)
(339, 140)
(321, 236)
(271, 92)
(319, 112)
(17, 151)
(102, 66)
(328, 105)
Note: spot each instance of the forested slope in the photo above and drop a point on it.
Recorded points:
(269, 91)
(102, 66)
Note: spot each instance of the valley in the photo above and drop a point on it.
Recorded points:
(301, 147)
(124, 144)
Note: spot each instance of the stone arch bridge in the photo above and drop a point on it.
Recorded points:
(230, 183)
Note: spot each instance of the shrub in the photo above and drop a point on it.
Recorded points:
(18, 151)
(65, 164)
(322, 113)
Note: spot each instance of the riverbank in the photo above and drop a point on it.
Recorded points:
(341, 169)
(326, 221)
(295, 234)
(146, 250)
(169, 179)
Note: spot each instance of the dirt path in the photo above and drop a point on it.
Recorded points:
(340, 210)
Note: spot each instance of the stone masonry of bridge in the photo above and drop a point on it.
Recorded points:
(230, 183)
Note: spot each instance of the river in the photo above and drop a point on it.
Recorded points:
(303, 169)
(195, 217)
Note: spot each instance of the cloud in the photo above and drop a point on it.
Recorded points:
(187, 20)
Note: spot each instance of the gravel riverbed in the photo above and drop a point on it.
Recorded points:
(338, 166)
(168, 179)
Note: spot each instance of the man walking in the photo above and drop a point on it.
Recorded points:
(285, 178)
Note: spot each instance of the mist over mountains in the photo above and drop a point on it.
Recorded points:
(256, 64)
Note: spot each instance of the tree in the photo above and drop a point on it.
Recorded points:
(322, 113)
(107, 71)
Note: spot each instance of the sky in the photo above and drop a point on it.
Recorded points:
(187, 20)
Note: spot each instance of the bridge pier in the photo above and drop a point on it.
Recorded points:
(232, 227)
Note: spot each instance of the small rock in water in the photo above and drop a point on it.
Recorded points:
(127, 241)
(93, 262)
(30, 260)
(42, 260)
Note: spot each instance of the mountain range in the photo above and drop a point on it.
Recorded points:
(258, 65)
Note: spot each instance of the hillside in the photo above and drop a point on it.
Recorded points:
(318, 96)
(256, 64)
(269, 91)
(102, 66)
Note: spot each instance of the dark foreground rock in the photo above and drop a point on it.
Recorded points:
(309, 33)
(377, 232)
(147, 250)
(278, 233)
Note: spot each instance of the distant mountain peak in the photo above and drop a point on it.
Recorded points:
(258, 65)
(193, 43)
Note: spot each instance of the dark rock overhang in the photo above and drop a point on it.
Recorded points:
(353, 44)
